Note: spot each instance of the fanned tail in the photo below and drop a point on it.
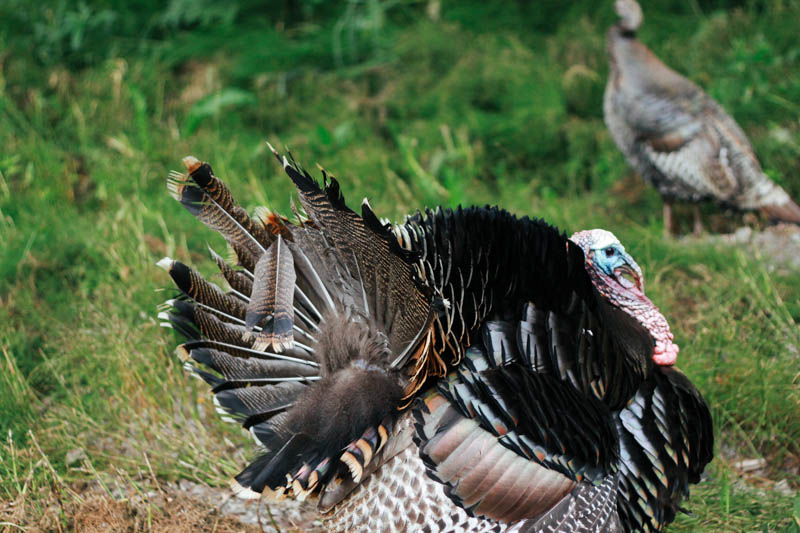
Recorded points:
(298, 347)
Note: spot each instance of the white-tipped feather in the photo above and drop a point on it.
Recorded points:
(243, 492)
(356, 471)
(300, 494)
(218, 406)
(175, 180)
(195, 375)
(403, 238)
(191, 162)
(281, 275)
(224, 413)
(262, 214)
(252, 432)
(165, 263)
(182, 353)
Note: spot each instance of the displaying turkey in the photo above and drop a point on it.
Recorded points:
(676, 136)
(466, 370)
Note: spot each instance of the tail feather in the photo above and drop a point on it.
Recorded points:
(241, 284)
(205, 328)
(184, 350)
(273, 223)
(210, 201)
(788, 212)
(244, 259)
(271, 300)
(253, 369)
(270, 471)
(310, 282)
(252, 405)
(242, 290)
(198, 289)
(206, 324)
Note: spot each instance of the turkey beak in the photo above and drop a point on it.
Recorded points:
(628, 273)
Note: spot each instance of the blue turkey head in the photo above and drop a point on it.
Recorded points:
(608, 256)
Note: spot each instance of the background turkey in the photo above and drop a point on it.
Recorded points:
(676, 136)
(463, 371)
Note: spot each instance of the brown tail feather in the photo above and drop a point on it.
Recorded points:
(788, 212)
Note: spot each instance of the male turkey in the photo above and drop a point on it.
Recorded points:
(676, 136)
(466, 370)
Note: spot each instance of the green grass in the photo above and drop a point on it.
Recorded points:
(488, 104)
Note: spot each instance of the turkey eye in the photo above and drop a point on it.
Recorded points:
(609, 252)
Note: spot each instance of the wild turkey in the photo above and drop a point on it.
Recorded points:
(466, 370)
(676, 136)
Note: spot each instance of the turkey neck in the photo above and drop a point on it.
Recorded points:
(628, 57)
(640, 68)
(636, 304)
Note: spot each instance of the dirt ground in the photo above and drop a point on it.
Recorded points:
(176, 507)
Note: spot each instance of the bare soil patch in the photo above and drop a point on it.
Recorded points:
(179, 507)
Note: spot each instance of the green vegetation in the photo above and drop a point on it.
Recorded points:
(410, 103)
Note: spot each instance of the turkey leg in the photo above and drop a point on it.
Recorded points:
(667, 219)
(698, 222)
